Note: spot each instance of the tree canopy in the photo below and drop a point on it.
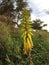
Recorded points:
(38, 24)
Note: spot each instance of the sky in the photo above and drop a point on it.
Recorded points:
(40, 9)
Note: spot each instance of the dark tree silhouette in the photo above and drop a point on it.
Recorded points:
(38, 24)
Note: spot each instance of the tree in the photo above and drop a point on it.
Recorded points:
(12, 10)
(7, 8)
(20, 5)
(7, 12)
(37, 24)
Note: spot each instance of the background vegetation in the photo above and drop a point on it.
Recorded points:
(11, 42)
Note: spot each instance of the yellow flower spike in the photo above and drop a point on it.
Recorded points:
(29, 44)
(30, 33)
(25, 49)
(24, 34)
(26, 31)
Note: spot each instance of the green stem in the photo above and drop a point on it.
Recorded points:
(30, 59)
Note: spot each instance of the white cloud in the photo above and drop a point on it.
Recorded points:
(46, 21)
(39, 7)
(44, 4)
